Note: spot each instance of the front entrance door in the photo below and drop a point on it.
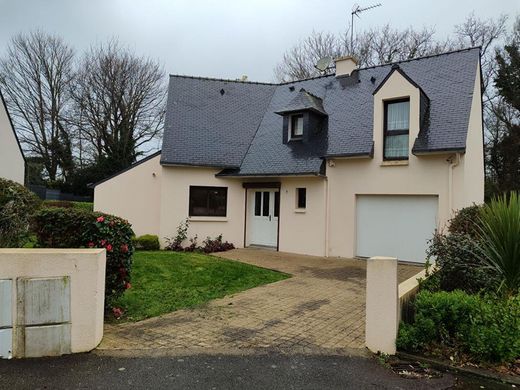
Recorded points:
(262, 216)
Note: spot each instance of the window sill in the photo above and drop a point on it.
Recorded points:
(207, 219)
(393, 163)
(300, 211)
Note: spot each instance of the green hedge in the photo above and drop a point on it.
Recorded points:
(486, 328)
(17, 204)
(75, 228)
(147, 242)
(88, 206)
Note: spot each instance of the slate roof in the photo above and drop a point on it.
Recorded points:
(234, 125)
(211, 122)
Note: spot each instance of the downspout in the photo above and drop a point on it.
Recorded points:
(331, 164)
(326, 217)
(454, 162)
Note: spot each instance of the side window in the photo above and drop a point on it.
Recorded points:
(301, 198)
(396, 129)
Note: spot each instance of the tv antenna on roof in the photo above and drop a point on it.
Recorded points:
(356, 10)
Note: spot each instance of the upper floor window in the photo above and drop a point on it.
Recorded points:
(296, 126)
(208, 201)
(396, 129)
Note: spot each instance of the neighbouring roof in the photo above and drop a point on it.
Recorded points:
(234, 125)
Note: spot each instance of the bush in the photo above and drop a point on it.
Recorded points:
(147, 242)
(76, 228)
(499, 237)
(486, 328)
(459, 266)
(466, 221)
(17, 204)
(209, 245)
(88, 206)
(175, 243)
(216, 245)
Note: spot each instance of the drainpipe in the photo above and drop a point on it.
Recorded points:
(454, 162)
(331, 164)
(326, 217)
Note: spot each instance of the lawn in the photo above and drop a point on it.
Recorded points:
(163, 282)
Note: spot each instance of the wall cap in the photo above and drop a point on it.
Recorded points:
(382, 258)
(15, 251)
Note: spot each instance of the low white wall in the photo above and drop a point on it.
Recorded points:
(86, 270)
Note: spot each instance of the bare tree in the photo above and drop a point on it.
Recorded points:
(484, 33)
(385, 44)
(119, 100)
(298, 62)
(35, 76)
(373, 47)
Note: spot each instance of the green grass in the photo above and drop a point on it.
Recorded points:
(163, 282)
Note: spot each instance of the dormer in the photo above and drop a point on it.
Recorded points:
(401, 113)
(303, 118)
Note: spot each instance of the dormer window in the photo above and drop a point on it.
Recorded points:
(296, 126)
(304, 118)
(396, 129)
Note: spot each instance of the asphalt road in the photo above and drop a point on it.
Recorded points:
(268, 371)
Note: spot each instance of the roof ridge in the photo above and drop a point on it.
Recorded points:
(423, 57)
(386, 64)
(220, 79)
(326, 75)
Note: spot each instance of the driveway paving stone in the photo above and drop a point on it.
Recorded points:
(320, 308)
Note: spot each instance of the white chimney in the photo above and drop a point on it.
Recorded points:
(345, 65)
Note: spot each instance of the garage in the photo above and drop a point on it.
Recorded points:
(395, 225)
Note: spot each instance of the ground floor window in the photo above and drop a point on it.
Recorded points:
(208, 201)
(301, 198)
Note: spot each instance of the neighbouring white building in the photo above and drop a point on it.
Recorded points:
(12, 162)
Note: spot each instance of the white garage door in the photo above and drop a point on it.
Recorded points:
(395, 226)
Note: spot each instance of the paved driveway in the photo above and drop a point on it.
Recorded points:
(321, 308)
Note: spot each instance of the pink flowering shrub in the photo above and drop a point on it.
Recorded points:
(74, 228)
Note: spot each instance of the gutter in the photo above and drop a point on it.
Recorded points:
(454, 162)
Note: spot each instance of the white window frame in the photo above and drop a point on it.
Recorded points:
(295, 137)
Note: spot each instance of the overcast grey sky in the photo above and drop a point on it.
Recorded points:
(226, 38)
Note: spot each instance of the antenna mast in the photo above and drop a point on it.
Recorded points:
(356, 10)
